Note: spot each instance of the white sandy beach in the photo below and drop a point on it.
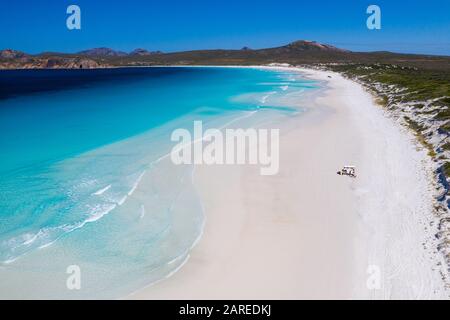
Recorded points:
(309, 233)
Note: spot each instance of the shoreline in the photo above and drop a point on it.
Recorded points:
(250, 218)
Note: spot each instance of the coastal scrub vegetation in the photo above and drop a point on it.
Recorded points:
(446, 168)
(424, 93)
(418, 84)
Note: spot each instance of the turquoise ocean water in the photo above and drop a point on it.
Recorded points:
(84, 176)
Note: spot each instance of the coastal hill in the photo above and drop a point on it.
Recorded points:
(12, 54)
(107, 52)
(298, 52)
(143, 52)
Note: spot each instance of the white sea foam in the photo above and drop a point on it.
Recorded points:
(101, 191)
(26, 239)
(30, 239)
(136, 184)
(122, 201)
(265, 97)
(48, 236)
(178, 258)
(179, 267)
(45, 245)
(98, 214)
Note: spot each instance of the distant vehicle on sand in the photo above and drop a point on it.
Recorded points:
(348, 171)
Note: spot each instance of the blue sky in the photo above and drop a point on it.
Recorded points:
(407, 26)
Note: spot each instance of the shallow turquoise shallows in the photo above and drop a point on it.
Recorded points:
(85, 183)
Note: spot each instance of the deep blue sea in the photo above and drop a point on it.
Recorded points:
(84, 179)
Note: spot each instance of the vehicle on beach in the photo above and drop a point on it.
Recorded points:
(348, 171)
